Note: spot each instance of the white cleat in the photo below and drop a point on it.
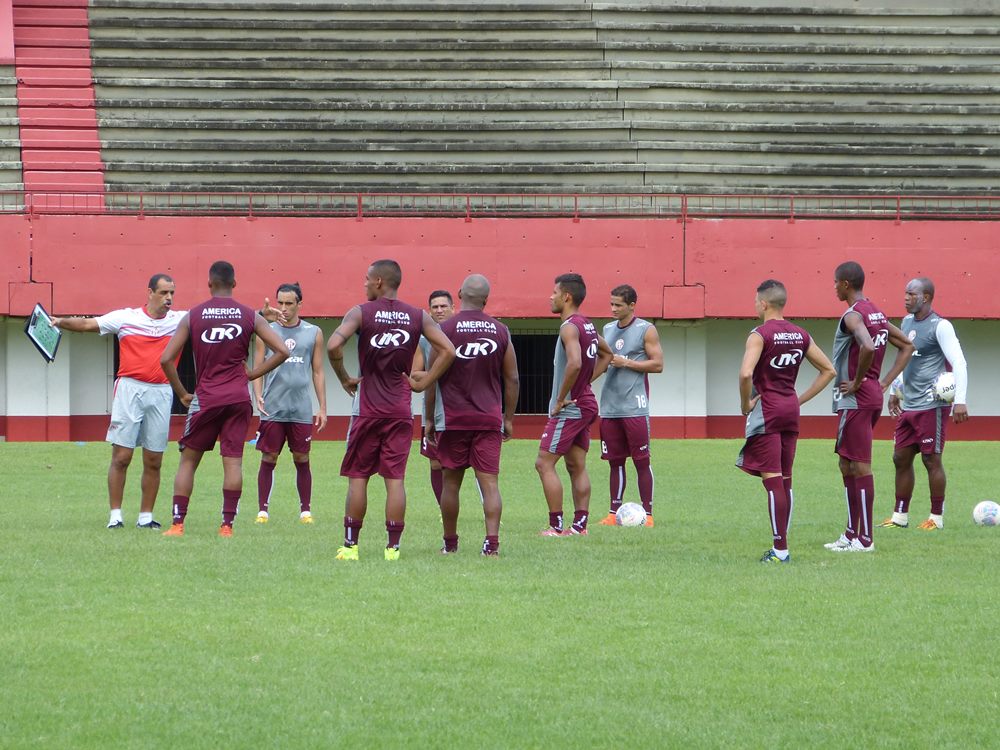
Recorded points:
(839, 544)
(854, 546)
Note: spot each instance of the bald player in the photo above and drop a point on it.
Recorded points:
(774, 352)
(381, 429)
(921, 416)
(472, 410)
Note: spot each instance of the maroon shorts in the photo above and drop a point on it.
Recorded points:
(624, 437)
(770, 453)
(272, 435)
(430, 450)
(561, 433)
(854, 434)
(228, 424)
(480, 449)
(377, 445)
(922, 428)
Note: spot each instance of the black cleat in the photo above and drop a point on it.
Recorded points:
(117, 525)
(150, 525)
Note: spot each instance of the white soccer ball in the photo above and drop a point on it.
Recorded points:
(987, 513)
(944, 387)
(896, 389)
(630, 514)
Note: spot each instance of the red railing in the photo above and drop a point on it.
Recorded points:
(492, 205)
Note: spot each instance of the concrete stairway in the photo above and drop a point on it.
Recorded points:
(544, 97)
(10, 141)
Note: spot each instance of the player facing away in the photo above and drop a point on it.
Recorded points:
(771, 361)
(471, 411)
(140, 411)
(220, 329)
(921, 416)
(859, 347)
(441, 306)
(381, 428)
(286, 410)
(572, 407)
(636, 350)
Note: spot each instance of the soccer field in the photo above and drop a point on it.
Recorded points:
(667, 637)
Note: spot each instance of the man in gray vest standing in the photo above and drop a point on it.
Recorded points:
(635, 346)
(286, 409)
(921, 417)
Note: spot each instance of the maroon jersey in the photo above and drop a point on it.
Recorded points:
(785, 346)
(388, 337)
(470, 393)
(221, 329)
(845, 358)
(580, 391)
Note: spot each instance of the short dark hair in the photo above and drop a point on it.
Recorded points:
(389, 271)
(440, 293)
(852, 273)
(627, 293)
(774, 292)
(574, 286)
(293, 287)
(156, 278)
(926, 285)
(222, 272)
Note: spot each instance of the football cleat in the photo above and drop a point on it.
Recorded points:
(226, 530)
(573, 531)
(262, 517)
(928, 525)
(116, 524)
(550, 531)
(176, 529)
(150, 525)
(772, 557)
(854, 546)
(305, 517)
(649, 521)
(392, 553)
(490, 553)
(608, 520)
(839, 544)
(890, 524)
(347, 553)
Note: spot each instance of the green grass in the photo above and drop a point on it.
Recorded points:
(669, 637)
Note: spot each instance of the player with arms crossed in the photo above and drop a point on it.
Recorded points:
(635, 346)
(286, 410)
(219, 329)
(140, 411)
(771, 361)
(441, 307)
(921, 415)
(471, 411)
(859, 347)
(572, 406)
(381, 429)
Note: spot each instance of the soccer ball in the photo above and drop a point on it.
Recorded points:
(987, 513)
(630, 514)
(944, 387)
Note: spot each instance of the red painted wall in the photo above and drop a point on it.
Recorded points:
(705, 268)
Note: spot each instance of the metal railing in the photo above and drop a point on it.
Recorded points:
(469, 206)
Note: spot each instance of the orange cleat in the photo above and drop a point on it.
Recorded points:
(225, 530)
(176, 529)
(649, 522)
(608, 520)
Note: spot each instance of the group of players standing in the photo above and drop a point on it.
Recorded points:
(465, 364)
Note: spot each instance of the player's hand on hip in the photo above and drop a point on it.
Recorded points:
(750, 405)
(894, 408)
(847, 387)
(959, 413)
(320, 421)
(417, 380)
(351, 386)
(560, 405)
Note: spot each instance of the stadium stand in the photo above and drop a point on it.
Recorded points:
(544, 97)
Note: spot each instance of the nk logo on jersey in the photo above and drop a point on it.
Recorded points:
(479, 348)
(218, 334)
(592, 350)
(787, 359)
(391, 338)
(880, 339)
